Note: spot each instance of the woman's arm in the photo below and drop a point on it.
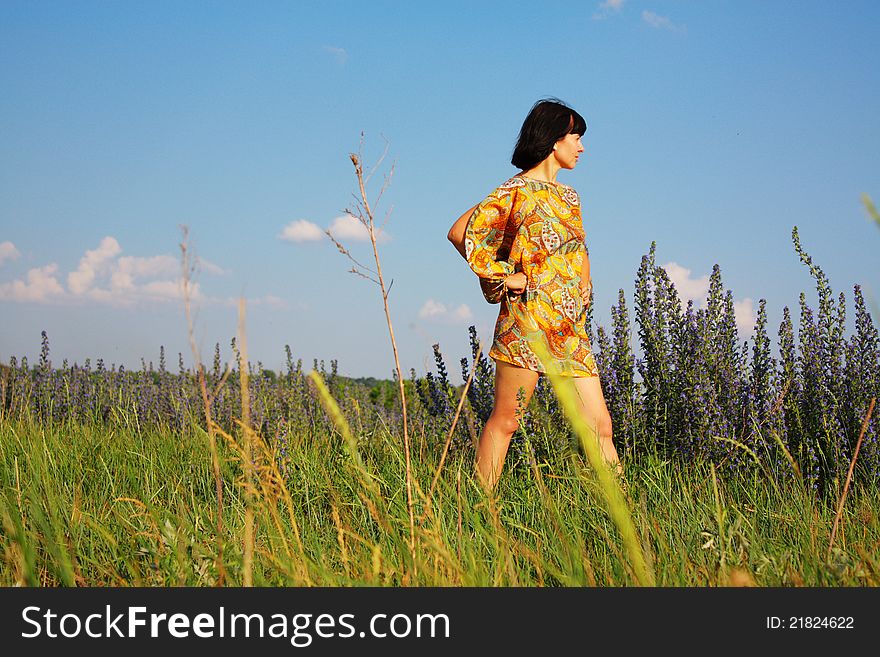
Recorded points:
(586, 280)
(458, 230)
(514, 284)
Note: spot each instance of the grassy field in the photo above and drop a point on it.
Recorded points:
(94, 506)
(94, 492)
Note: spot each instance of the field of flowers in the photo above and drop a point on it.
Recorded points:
(698, 393)
(736, 456)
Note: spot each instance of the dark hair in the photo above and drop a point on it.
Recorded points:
(548, 121)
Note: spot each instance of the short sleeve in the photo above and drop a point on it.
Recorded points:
(489, 235)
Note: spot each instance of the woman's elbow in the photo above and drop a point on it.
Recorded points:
(456, 237)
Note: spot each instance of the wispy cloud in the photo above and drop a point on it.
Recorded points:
(435, 311)
(210, 267)
(8, 252)
(301, 231)
(339, 54)
(696, 289)
(269, 301)
(661, 22)
(432, 308)
(607, 8)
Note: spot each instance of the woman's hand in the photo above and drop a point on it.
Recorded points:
(515, 283)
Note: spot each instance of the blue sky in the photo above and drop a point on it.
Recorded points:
(713, 128)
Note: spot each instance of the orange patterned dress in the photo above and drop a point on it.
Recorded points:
(534, 227)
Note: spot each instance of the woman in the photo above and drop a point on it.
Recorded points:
(526, 243)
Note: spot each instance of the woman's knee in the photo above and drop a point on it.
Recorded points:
(604, 428)
(503, 423)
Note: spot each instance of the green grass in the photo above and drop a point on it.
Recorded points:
(93, 506)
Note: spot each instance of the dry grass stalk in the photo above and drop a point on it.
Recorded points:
(248, 434)
(467, 385)
(340, 538)
(272, 489)
(740, 577)
(852, 465)
(364, 214)
(188, 269)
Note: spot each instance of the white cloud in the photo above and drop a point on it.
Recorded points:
(744, 312)
(439, 312)
(697, 290)
(105, 278)
(91, 264)
(160, 265)
(688, 288)
(8, 252)
(301, 231)
(661, 22)
(102, 276)
(344, 228)
(349, 227)
(339, 53)
(40, 285)
(171, 290)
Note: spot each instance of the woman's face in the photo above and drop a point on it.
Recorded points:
(568, 149)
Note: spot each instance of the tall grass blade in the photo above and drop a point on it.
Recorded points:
(248, 460)
(617, 505)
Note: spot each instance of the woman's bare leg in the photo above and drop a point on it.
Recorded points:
(499, 429)
(596, 413)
